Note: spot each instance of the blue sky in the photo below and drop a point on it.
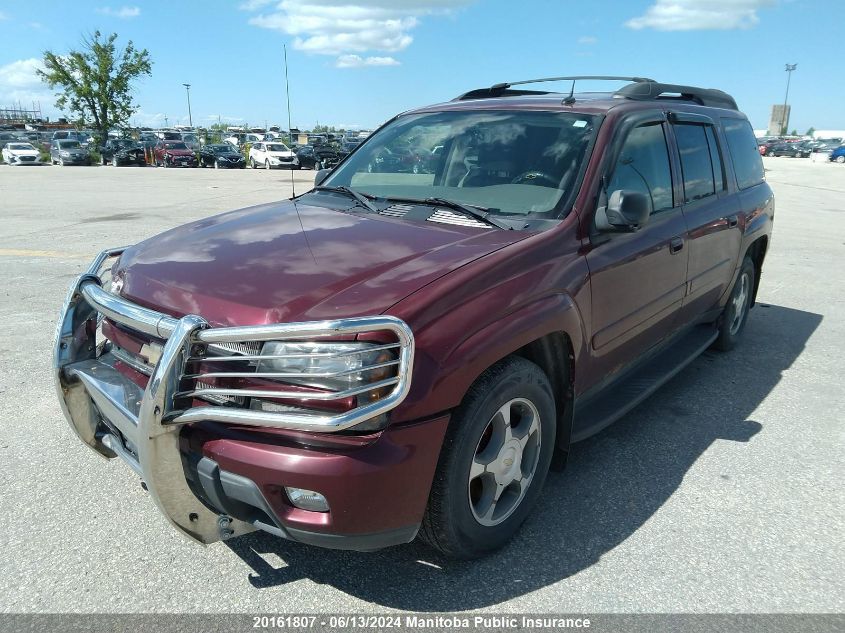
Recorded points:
(356, 63)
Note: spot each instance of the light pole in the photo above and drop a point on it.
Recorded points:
(789, 69)
(188, 92)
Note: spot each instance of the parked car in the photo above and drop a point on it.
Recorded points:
(271, 156)
(221, 156)
(72, 135)
(394, 354)
(794, 150)
(838, 155)
(174, 154)
(21, 154)
(68, 152)
(240, 139)
(8, 137)
(192, 141)
(123, 151)
(318, 157)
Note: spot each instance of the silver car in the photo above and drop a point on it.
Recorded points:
(66, 152)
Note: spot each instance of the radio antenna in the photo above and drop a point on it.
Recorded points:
(287, 90)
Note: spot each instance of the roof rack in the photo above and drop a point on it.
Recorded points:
(639, 89)
(702, 96)
(502, 89)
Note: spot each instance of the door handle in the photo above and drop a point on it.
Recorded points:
(676, 244)
(732, 221)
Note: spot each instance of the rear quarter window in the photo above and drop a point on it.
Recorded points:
(742, 145)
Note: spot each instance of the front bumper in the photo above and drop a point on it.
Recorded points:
(376, 486)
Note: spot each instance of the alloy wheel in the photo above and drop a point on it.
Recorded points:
(740, 303)
(505, 462)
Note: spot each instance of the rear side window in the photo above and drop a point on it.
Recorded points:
(701, 162)
(643, 166)
(746, 157)
(715, 158)
(695, 162)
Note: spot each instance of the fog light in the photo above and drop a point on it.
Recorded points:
(307, 499)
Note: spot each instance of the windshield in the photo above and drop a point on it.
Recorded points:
(513, 162)
(68, 144)
(222, 149)
(179, 145)
(171, 136)
(125, 144)
(189, 137)
(277, 147)
(20, 146)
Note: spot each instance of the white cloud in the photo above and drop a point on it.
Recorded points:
(124, 13)
(350, 27)
(20, 83)
(252, 5)
(588, 39)
(356, 61)
(693, 15)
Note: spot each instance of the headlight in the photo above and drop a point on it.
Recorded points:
(333, 366)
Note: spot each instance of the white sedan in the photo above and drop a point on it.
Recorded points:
(272, 155)
(21, 154)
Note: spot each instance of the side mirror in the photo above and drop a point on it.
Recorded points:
(321, 176)
(625, 211)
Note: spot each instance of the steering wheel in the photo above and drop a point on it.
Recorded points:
(532, 176)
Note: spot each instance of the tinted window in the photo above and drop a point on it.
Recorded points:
(695, 161)
(716, 158)
(743, 148)
(643, 166)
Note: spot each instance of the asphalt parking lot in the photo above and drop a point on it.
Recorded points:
(722, 492)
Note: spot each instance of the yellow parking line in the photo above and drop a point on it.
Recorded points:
(22, 252)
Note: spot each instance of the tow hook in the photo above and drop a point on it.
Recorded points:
(224, 524)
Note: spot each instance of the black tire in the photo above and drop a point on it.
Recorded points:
(216, 164)
(450, 523)
(114, 161)
(267, 164)
(730, 330)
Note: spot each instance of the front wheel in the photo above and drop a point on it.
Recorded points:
(494, 461)
(114, 161)
(840, 159)
(735, 315)
(216, 164)
(252, 163)
(267, 164)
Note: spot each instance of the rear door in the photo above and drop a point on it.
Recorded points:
(711, 210)
(637, 279)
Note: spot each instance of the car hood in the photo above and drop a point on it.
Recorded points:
(286, 262)
(23, 152)
(280, 154)
(179, 152)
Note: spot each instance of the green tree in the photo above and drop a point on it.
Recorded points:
(810, 131)
(95, 83)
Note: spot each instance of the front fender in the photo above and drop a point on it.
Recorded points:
(440, 386)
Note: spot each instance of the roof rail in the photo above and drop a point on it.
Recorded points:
(502, 89)
(646, 91)
(640, 89)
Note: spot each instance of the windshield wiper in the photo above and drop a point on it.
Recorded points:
(360, 198)
(475, 211)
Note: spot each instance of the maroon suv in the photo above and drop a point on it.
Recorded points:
(395, 354)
